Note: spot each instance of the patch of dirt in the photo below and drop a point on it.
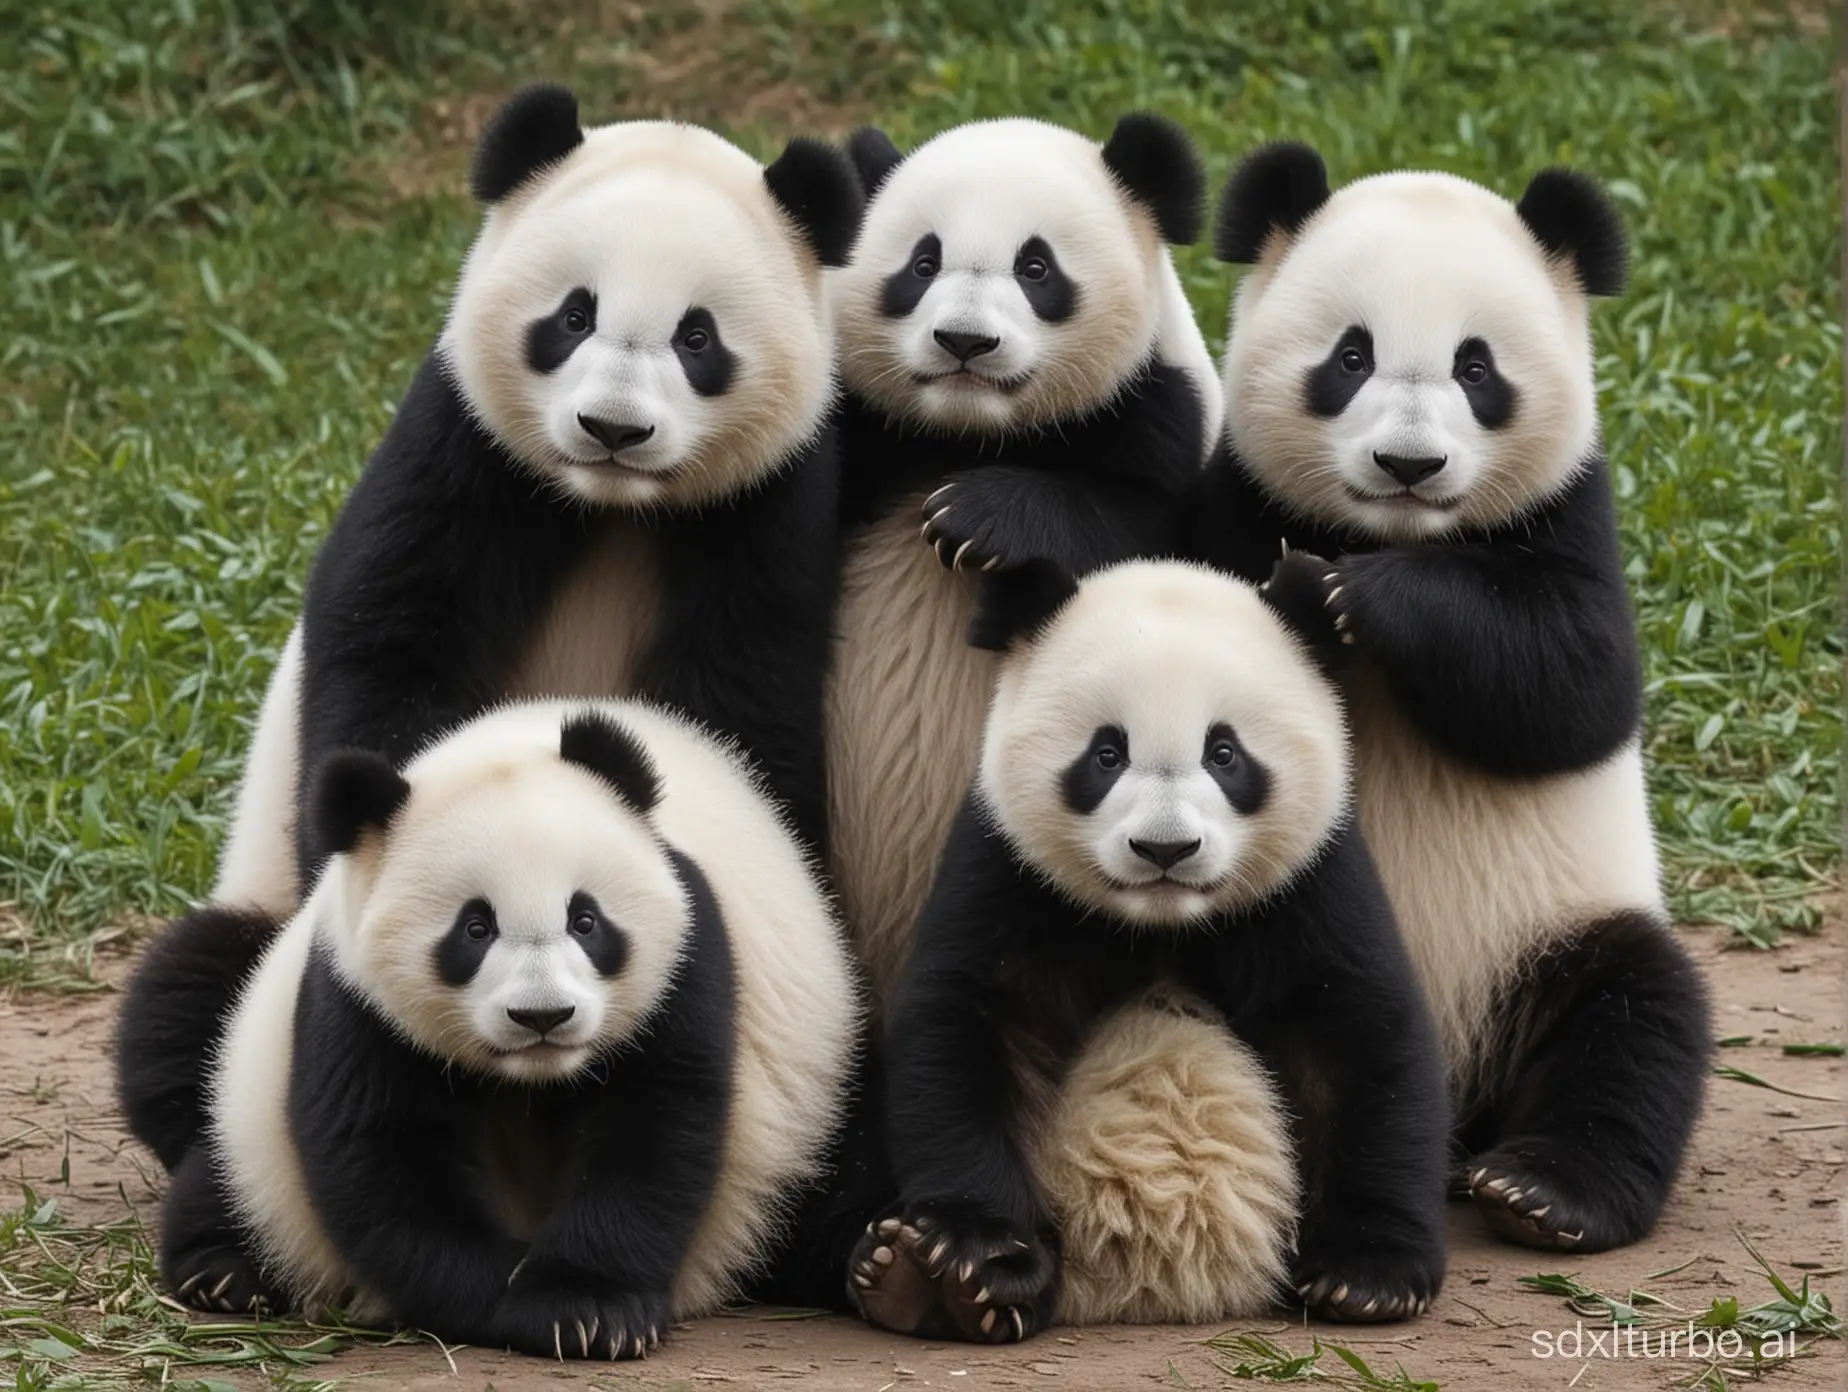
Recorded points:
(1769, 1164)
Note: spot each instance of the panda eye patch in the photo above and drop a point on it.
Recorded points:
(905, 288)
(1049, 291)
(601, 941)
(551, 341)
(1334, 382)
(707, 362)
(1241, 778)
(461, 951)
(1491, 396)
(1094, 773)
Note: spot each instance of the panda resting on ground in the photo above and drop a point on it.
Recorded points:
(1163, 806)
(615, 474)
(1410, 396)
(545, 1057)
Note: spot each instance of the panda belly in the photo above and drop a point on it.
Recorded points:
(252, 1142)
(1167, 1160)
(598, 626)
(1486, 872)
(906, 699)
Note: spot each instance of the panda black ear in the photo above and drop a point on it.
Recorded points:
(599, 745)
(355, 791)
(816, 186)
(1570, 215)
(1275, 189)
(537, 126)
(1018, 602)
(874, 157)
(1155, 160)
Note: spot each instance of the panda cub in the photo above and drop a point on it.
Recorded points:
(1162, 805)
(1411, 396)
(1025, 381)
(545, 1056)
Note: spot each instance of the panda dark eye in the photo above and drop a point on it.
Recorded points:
(478, 930)
(1224, 753)
(696, 341)
(1353, 360)
(576, 321)
(1033, 268)
(924, 267)
(1109, 757)
(583, 925)
(1475, 372)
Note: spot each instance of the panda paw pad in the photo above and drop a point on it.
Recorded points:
(952, 1279)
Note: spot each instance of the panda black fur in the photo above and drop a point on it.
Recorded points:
(1410, 396)
(1162, 807)
(1025, 381)
(545, 1058)
(644, 275)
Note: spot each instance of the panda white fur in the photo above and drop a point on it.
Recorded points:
(614, 475)
(571, 939)
(1411, 397)
(1157, 879)
(1019, 355)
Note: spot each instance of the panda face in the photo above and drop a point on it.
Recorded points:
(1002, 283)
(641, 326)
(1410, 364)
(516, 917)
(1162, 749)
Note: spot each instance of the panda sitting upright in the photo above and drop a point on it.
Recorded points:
(1162, 812)
(546, 1058)
(1410, 396)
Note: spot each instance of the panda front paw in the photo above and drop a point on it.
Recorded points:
(1305, 591)
(948, 1273)
(222, 1280)
(552, 1320)
(958, 527)
(1369, 1288)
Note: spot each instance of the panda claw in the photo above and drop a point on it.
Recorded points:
(1332, 593)
(1539, 1213)
(1338, 1294)
(1020, 1327)
(956, 561)
(558, 1343)
(988, 1322)
(936, 495)
(615, 1346)
(218, 1291)
(981, 1296)
(991, 563)
(966, 1272)
(1330, 577)
(1514, 1195)
(189, 1283)
(1348, 638)
(864, 1282)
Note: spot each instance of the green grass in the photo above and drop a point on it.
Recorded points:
(228, 229)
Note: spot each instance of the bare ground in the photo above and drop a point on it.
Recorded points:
(1765, 1163)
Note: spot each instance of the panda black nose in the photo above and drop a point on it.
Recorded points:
(541, 1022)
(1408, 470)
(1166, 854)
(963, 346)
(614, 436)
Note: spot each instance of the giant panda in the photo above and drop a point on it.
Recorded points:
(615, 474)
(1025, 381)
(1162, 808)
(546, 1056)
(1411, 397)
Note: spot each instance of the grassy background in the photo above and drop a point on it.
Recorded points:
(228, 230)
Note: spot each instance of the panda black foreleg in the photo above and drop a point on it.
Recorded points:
(1005, 515)
(182, 991)
(205, 1257)
(1594, 1090)
(596, 1281)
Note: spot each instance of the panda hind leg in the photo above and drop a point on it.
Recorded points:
(1595, 1090)
(945, 1274)
(204, 1257)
